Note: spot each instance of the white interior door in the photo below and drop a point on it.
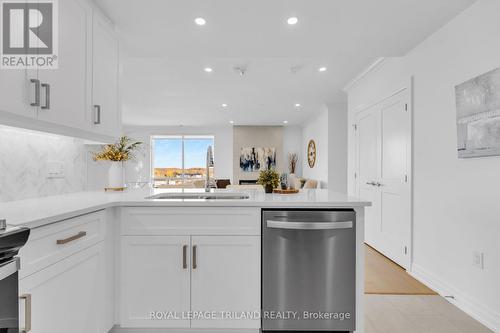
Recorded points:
(395, 129)
(384, 164)
(226, 277)
(367, 174)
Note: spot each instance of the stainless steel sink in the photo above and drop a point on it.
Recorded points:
(200, 196)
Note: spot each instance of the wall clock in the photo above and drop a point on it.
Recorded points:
(311, 153)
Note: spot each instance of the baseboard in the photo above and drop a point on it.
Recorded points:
(118, 329)
(485, 315)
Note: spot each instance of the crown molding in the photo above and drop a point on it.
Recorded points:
(377, 63)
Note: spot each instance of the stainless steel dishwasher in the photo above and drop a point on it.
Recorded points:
(308, 270)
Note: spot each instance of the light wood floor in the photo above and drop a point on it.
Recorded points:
(395, 302)
(416, 314)
(382, 276)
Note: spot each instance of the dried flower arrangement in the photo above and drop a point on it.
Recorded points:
(293, 158)
(121, 151)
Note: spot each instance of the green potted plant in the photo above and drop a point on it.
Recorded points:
(117, 153)
(270, 179)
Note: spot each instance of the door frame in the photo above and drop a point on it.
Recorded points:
(408, 87)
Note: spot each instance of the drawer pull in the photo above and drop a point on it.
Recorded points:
(27, 313)
(72, 238)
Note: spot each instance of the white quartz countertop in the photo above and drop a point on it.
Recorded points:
(41, 211)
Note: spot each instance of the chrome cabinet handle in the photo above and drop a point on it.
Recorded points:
(47, 96)
(97, 114)
(37, 92)
(184, 257)
(72, 238)
(27, 313)
(371, 183)
(195, 264)
(309, 225)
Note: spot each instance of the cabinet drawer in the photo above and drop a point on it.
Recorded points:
(137, 221)
(52, 243)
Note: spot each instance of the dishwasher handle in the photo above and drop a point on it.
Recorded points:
(309, 225)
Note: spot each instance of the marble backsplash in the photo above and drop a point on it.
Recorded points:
(25, 157)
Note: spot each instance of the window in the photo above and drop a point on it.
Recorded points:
(180, 161)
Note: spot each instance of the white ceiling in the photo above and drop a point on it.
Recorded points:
(164, 54)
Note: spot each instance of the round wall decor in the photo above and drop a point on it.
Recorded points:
(311, 153)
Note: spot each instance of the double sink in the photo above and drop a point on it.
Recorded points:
(200, 196)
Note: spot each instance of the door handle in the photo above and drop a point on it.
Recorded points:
(184, 257)
(97, 114)
(47, 96)
(27, 313)
(371, 183)
(309, 225)
(37, 92)
(195, 264)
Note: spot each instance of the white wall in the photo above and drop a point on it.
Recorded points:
(337, 147)
(316, 129)
(455, 203)
(140, 170)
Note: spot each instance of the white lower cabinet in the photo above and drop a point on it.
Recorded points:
(178, 264)
(155, 278)
(226, 280)
(64, 296)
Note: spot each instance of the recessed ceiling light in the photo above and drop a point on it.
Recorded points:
(208, 70)
(297, 105)
(231, 122)
(292, 20)
(322, 69)
(200, 21)
(224, 105)
(285, 122)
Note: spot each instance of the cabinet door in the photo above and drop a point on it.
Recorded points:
(70, 83)
(105, 115)
(154, 278)
(18, 92)
(65, 296)
(225, 277)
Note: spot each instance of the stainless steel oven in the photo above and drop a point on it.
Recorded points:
(308, 270)
(11, 240)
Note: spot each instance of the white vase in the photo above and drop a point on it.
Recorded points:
(291, 181)
(115, 175)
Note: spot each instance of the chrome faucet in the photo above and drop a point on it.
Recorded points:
(210, 163)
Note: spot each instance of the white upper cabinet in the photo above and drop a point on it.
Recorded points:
(105, 117)
(80, 97)
(65, 90)
(17, 92)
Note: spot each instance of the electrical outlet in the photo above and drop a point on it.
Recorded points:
(55, 169)
(478, 259)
